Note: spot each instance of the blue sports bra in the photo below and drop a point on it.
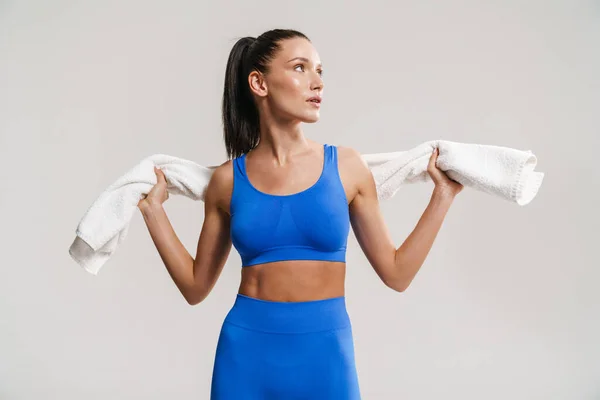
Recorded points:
(309, 225)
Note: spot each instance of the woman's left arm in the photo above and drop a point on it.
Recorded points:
(396, 267)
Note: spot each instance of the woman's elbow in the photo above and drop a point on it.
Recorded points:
(397, 287)
(397, 284)
(192, 301)
(195, 298)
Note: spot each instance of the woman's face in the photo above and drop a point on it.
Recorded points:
(295, 75)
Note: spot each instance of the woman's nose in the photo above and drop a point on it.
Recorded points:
(317, 83)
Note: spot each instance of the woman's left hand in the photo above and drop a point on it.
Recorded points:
(442, 182)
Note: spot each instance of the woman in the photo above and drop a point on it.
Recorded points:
(286, 203)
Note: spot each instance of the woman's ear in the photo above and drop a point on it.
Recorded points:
(257, 83)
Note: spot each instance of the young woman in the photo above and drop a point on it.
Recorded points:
(286, 203)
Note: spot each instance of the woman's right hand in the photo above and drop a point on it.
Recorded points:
(158, 194)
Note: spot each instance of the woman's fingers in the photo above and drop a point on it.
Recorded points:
(160, 175)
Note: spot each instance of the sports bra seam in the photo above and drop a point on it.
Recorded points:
(234, 196)
(343, 248)
(233, 186)
(301, 247)
(241, 180)
(339, 177)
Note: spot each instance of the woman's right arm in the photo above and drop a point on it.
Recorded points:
(195, 278)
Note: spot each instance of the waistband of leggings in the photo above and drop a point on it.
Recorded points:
(289, 317)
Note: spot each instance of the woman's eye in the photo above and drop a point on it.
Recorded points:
(320, 72)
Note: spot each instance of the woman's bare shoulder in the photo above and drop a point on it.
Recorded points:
(351, 159)
(223, 173)
(220, 186)
(354, 171)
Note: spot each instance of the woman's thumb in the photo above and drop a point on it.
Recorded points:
(159, 174)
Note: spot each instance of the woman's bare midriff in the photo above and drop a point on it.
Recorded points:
(292, 281)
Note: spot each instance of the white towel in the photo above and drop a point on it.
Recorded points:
(501, 171)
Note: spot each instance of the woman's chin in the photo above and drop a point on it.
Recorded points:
(310, 119)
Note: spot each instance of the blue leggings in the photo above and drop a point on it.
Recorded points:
(285, 350)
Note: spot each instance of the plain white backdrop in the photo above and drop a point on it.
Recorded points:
(506, 305)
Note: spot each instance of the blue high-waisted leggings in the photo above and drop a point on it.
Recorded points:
(285, 350)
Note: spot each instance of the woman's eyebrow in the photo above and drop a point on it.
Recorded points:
(305, 60)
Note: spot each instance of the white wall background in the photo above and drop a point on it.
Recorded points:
(506, 305)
